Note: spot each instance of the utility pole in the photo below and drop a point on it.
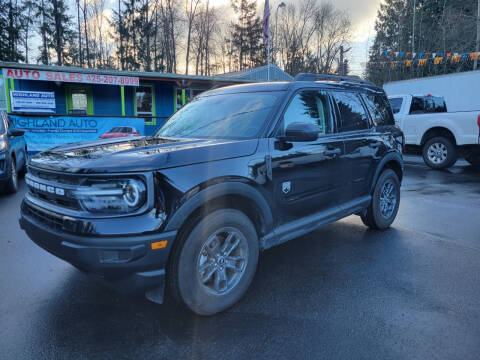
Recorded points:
(477, 46)
(413, 32)
(80, 35)
(341, 65)
(275, 46)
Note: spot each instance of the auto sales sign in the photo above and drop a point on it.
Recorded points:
(72, 77)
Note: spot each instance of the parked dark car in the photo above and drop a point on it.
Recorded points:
(238, 170)
(13, 154)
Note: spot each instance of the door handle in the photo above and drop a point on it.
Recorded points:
(375, 144)
(333, 152)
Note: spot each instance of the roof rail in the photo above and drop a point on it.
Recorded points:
(330, 77)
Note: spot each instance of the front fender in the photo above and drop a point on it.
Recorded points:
(218, 190)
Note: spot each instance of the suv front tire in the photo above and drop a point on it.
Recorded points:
(213, 265)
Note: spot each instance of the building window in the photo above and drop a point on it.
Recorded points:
(184, 96)
(144, 100)
(79, 100)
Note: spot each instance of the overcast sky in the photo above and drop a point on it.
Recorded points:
(362, 14)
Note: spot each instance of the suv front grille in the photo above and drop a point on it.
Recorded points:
(53, 188)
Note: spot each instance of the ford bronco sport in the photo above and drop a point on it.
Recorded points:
(238, 170)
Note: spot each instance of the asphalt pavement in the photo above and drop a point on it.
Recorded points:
(344, 292)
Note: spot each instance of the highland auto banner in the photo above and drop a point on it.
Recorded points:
(43, 133)
(33, 101)
(72, 77)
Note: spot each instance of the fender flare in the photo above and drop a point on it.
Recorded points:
(391, 156)
(218, 190)
(448, 126)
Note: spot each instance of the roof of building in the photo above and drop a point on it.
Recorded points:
(140, 74)
(259, 74)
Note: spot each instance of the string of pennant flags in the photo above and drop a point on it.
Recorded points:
(421, 58)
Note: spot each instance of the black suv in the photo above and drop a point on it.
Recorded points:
(238, 170)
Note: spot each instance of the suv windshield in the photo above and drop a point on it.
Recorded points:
(240, 115)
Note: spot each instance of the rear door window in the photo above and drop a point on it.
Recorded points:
(379, 110)
(353, 115)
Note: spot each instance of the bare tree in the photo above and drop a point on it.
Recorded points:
(310, 35)
(203, 43)
(190, 12)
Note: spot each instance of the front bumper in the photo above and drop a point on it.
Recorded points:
(125, 264)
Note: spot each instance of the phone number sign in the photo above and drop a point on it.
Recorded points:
(72, 77)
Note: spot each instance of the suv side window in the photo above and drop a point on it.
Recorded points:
(396, 104)
(3, 124)
(353, 115)
(379, 110)
(309, 106)
(428, 104)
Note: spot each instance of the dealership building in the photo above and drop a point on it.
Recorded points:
(57, 104)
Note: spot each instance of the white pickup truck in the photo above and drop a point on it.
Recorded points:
(443, 136)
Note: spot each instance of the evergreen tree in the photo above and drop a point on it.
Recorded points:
(11, 20)
(247, 35)
(441, 26)
(63, 36)
(43, 14)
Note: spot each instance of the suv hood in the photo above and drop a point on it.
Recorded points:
(139, 154)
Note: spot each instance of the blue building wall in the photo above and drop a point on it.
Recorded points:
(107, 98)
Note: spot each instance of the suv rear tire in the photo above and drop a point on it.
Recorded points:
(439, 152)
(213, 265)
(383, 208)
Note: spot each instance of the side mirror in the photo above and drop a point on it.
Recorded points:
(300, 132)
(16, 132)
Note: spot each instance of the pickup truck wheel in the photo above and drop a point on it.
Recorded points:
(439, 153)
(473, 160)
(385, 201)
(213, 266)
(11, 185)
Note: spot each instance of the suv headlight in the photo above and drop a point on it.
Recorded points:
(113, 197)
